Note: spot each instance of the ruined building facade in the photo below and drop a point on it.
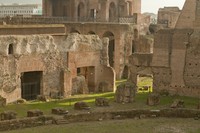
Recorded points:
(85, 53)
(174, 63)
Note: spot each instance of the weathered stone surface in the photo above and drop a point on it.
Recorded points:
(153, 99)
(125, 93)
(8, 115)
(79, 85)
(103, 86)
(21, 101)
(101, 101)
(34, 113)
(177, 103)
(59, 111)
(43, 98)
(2, 101)
(81, 106)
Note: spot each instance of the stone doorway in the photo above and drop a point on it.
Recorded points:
(31, 84)
(111, 47)
(144, 83)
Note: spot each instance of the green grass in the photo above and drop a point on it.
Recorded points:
(140, 103)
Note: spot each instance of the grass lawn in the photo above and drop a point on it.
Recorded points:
(140, 103)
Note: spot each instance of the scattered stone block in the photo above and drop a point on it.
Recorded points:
(34, 113)
(21, 101)
(177, 104)
(153, 99)
(125, 93)
(2, 101)
(8, 115)
(59, 111)
(81, 106)
(101, 101)
(43, 98)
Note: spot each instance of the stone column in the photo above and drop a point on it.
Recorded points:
(66, 80)
(105, 57)
(119, 56)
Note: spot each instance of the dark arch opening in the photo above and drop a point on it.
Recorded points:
(112, 12)
(81, 11)
(136, 34)
(91, 33)
(74, 31)
(10, 49)
(111, 47)
(125, 73)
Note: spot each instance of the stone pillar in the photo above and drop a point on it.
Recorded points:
(105, 57)
(66, 80)
(119, 56)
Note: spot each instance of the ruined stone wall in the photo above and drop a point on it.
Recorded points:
(123, 34)
(30, 53)
(168, 16)
(49, 55)
(187, 16)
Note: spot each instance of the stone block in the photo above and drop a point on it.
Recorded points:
(2, 101)
(153, 99)
(43, 98)
(59, 111)
(125, 93)
(34, 113)
(177, 103)
(21, 101)
(81, 106)
(101, 101)
(8, 115)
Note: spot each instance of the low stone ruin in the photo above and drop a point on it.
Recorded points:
(177, 104)
(125, 93)
(81, 106)
(34, 113)
(153, 99)
(101, 101)
(43, 98)
(20, 101)
(59, 111)
(79, 85)
(2, 101)
(8, 115)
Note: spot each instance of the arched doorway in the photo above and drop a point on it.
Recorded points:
(91, 33)
(81, 11)
(74, 31)
(111, 47)
(112, 12)
(125, 73)
(129, 6)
